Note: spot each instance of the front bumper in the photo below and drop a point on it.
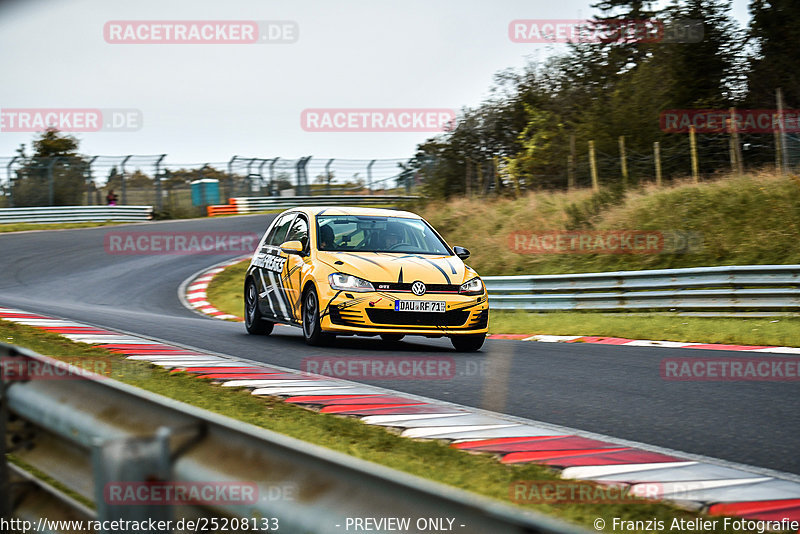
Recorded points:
(373, 313)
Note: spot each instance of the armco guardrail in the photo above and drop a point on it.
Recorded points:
(88, 432)
(56, 214)
(254, 204)
(716, 289)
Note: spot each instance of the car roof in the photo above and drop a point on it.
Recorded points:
(355, 210)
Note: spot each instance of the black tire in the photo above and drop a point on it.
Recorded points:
(312, 329)
(392, 338)
(468, 343)
(253, 321)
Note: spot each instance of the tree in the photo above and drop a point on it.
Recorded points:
(773, 33)
(54, 175)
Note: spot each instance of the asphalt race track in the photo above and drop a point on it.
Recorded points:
(611, 390)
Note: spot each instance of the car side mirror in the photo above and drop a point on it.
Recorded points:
(461, 252)
(293, 247)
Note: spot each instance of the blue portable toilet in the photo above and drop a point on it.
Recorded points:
(205, 192)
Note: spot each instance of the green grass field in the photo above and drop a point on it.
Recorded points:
(752, 219)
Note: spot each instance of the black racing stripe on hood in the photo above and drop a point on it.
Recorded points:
(432, 263)
(452, 267)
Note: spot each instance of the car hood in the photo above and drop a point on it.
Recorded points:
(399, 267)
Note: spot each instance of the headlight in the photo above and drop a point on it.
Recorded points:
(348, 282)
(473, 287)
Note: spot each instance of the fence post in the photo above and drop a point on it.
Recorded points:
(623, 162)
(328, 176)
(272, 176)
(593, 165)
(89, 181)
(782, 127)
(778, 153)
(10, 181)
(736, 152)
(124, 189)
(369, 175)
(302, 179)
(159, 193)
(657, 157)
(693, 148)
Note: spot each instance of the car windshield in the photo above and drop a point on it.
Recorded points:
(355, 233)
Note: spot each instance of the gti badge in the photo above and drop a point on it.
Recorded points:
(418, 288)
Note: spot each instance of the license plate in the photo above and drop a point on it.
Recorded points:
(419, 306)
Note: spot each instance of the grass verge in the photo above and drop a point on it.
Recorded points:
(736, 220)
(226, 294)
(781, 331)
(24, 227)
(435, 460)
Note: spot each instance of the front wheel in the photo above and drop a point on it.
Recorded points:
(312, 329)
(253, 321)
(468, 343)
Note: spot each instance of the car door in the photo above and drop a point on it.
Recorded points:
(270, 263)
(296, 265)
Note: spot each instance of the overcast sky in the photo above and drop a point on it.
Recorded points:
(208, 102)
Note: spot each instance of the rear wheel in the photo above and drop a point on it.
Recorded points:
(253, 321)
(468, 343)
(392, 338)
(312, 329)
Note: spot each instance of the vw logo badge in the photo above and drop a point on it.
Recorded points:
(418, 288)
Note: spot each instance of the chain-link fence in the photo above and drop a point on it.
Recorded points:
(713, 154)
(168, 186)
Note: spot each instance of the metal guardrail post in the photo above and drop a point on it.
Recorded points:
(5, 481)
(126, 461)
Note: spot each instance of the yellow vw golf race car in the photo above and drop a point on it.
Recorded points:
(366, 272)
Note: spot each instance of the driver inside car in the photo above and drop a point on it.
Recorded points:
(391, 238)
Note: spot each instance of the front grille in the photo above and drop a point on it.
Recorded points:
(431, 319)
(406, 287)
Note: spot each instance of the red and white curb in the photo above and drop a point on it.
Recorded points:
(192, 292)
(623, 342)
(698, 482)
